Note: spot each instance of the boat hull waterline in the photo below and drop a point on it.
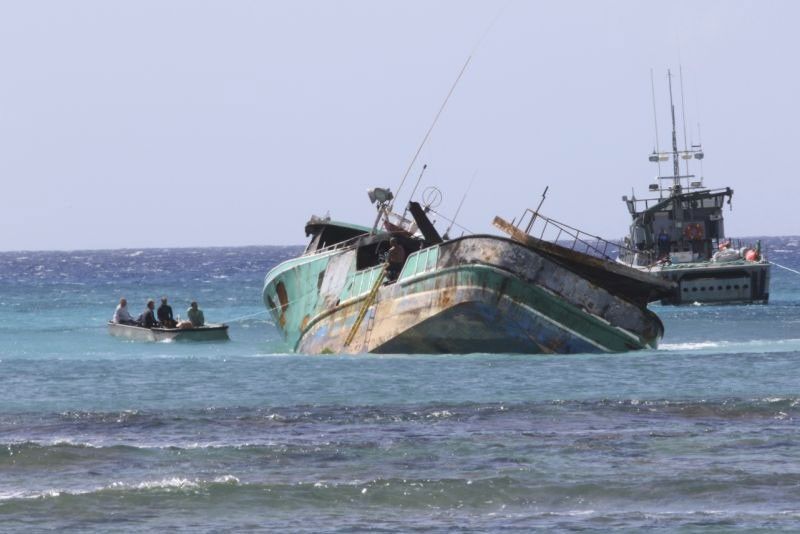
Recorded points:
(741, 282)
(483, 294)
(210, 332)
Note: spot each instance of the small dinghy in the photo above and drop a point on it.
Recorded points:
(209, 332)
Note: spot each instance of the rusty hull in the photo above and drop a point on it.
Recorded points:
(621, 280)
(481, 294)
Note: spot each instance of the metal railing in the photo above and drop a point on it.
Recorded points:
(649, 202)
(342, 244)
(546, 229)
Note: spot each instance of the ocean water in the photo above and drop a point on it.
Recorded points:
(102, 434)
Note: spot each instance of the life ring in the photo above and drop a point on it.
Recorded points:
(693, 232)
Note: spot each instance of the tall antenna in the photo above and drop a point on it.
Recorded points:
(655, 119)
(683, 116)
(455, 83)
(419, 179)
(697, 111)
(428, 133)
(676, 181)
(700, 144)
(447, 232)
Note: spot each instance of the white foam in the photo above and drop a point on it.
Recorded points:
(689, 346)
(173, 482)
(752, 345)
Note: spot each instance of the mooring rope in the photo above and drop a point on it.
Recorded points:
(784, 267)
(241, 317)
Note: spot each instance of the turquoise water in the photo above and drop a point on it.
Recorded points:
(101, 434)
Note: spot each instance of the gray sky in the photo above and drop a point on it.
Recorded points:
(189, 123)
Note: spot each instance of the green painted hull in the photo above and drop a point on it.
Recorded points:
(474, 294)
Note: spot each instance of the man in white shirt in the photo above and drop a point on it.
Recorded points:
(121, 314)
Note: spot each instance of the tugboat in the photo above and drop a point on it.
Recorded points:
(679, 236)
(475, 293)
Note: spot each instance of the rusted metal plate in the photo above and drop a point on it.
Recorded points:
(621, 280)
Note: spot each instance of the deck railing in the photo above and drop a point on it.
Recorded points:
(336, 246)
(546, 229)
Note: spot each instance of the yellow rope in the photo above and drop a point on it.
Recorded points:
(364, 307)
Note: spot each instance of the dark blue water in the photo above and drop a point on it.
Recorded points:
(100, 434)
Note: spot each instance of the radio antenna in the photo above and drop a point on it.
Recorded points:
(676, 179)
(430, 129)
(683, 117)
(463, 198)
(655, 119)
(415, 188)
(447, 98)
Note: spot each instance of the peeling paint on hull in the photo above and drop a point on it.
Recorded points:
(480, 294)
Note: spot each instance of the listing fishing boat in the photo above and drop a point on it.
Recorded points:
(679, 235)
(209, 332)
(471, 294)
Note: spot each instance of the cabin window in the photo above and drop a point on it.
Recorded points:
(410, 268)
(371, 255)
(362, 282)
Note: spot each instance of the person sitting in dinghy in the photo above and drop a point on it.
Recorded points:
(148, 317)
(165, 314)
(121, 313)
(195, 315)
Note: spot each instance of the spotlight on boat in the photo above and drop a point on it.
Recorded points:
(653, 187)
(653, 157)
(699, 155)
(380, 195)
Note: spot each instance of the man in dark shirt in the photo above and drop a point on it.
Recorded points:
(148, 318)
(663, 244)
(165, 314)
(396, 259)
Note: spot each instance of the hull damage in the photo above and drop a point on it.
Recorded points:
(483, 294)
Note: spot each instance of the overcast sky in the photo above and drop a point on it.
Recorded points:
(189, 123)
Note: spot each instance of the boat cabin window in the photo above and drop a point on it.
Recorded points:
(373, 251)
(371, 254)
(328, 235)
